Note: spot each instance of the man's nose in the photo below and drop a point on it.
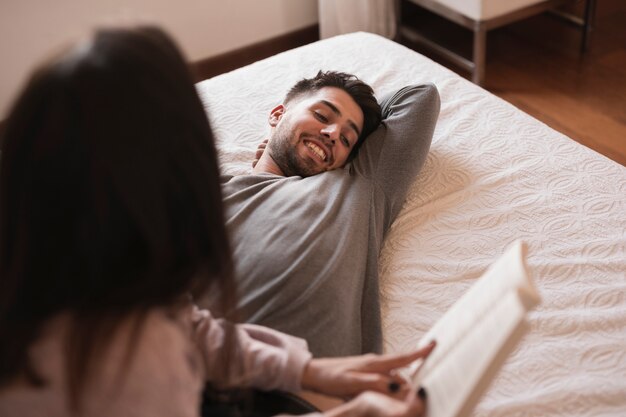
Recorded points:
(331, 132)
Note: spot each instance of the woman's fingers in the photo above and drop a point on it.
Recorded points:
(345, 377)
(377, 373)
(387, 363)
(377, 405)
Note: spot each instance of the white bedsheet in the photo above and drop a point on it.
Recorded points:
(494, 174)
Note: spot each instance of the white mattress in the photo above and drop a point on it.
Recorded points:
(484, 9)
(494, 174)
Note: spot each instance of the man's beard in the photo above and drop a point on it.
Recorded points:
(282, 148)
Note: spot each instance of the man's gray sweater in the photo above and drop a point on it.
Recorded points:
(306, 249)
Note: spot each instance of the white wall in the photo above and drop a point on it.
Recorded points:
(31, 29)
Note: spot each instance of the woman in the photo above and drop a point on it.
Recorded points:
(110, 222)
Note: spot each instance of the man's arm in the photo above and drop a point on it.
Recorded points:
(394, 154)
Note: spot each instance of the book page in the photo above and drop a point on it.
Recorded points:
(507, 274)
(474, 331)
(463, 371)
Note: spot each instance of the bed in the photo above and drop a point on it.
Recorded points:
(494, 174)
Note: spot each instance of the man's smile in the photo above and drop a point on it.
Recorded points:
(317, 150)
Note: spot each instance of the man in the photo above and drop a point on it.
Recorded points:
(308, 224)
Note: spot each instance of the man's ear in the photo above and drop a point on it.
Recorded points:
(276, 114)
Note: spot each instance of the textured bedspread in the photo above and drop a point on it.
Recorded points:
(494, 174)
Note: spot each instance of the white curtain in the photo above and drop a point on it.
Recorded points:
(345, 16)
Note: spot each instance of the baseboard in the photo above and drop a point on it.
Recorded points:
(210, 67)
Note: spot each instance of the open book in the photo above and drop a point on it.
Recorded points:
(475, 336)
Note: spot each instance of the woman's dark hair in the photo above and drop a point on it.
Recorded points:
(360, 92)
(110, 202)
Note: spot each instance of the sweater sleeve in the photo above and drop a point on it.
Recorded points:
(246, 355)
(393, 155)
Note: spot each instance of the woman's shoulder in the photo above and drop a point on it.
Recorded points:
(150, 366)
(162, 370)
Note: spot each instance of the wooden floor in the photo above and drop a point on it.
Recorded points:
(536, 65)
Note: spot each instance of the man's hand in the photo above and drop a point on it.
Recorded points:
(259, 151)
(347, 377)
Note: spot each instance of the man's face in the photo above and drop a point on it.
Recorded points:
(315, 133)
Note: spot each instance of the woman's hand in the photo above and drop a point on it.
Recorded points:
(374, 404)
(347, 377)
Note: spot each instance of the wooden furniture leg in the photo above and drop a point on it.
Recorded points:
(590, 11)
(479, 54)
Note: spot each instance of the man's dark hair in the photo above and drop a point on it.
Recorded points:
(360, 92)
